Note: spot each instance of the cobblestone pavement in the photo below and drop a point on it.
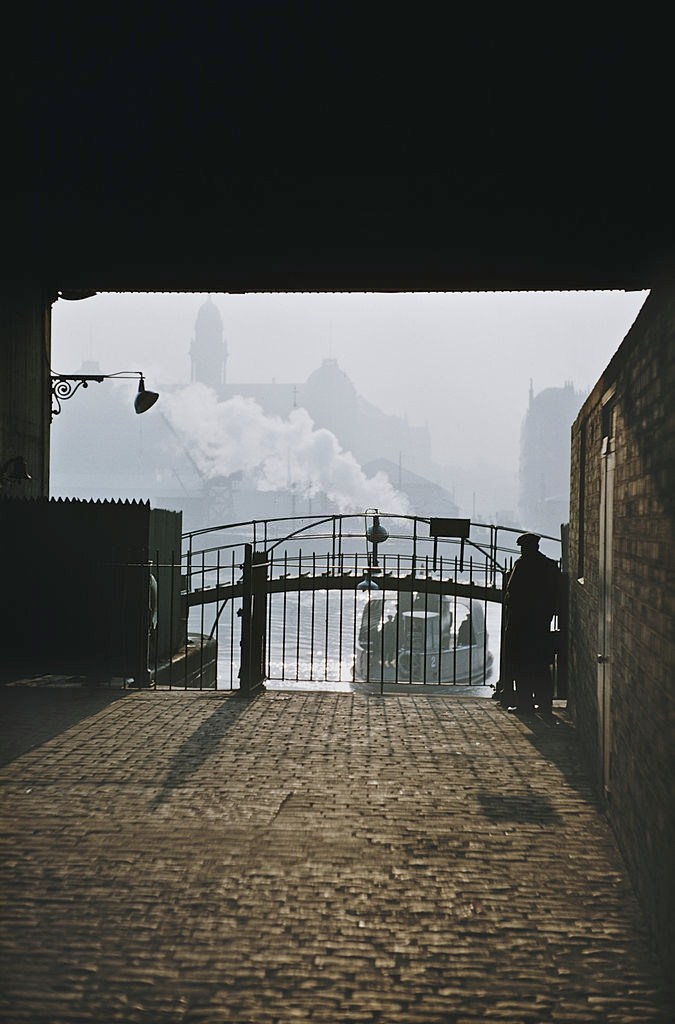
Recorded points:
(195, 857)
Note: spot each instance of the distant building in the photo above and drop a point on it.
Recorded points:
(544, 479)
(333, 402)
(328, 395)
(208, 351)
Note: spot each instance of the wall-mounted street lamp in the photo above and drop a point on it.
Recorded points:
(64, 386)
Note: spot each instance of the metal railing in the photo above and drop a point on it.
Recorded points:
(326, 599)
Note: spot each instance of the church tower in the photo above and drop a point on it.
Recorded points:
(208, 351)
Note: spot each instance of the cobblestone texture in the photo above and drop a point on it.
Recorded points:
(177, 857)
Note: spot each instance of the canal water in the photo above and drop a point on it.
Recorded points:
(312, 640)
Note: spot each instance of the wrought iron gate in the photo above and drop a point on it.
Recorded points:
(426, 612)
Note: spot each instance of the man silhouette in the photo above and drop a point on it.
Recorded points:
(531, 599)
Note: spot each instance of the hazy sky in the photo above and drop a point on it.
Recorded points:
(460, 362)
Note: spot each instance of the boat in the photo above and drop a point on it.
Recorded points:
(422, 638)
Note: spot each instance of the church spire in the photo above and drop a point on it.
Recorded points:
(208, 351)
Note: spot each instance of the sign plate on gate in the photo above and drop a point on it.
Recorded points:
(449, 527)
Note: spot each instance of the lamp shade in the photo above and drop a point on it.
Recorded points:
(14, 471)
(376, 533)
(144, 399)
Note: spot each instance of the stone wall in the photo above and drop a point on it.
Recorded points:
(25, 344)
(640, 789)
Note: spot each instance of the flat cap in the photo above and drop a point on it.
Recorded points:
(528, 538)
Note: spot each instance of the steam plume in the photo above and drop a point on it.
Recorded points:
(236, 435)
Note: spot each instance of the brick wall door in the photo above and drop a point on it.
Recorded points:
(604, 691)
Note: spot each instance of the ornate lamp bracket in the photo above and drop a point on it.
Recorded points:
(64, 386)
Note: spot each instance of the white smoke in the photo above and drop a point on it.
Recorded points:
(236, 435)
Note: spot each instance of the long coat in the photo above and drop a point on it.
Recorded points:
(531, 599)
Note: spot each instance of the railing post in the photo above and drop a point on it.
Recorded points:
(139, 575)
(253, 622)
(246, 608)
(504, 683)
(259, 620)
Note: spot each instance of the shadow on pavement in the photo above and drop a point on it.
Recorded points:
(533, 809)
(559, 743)
(31, 715)
(201, 744)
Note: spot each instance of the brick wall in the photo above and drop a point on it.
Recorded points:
(641, 791)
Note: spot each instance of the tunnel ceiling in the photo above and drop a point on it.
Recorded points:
(285, 146)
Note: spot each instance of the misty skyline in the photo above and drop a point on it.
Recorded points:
(461, 362)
